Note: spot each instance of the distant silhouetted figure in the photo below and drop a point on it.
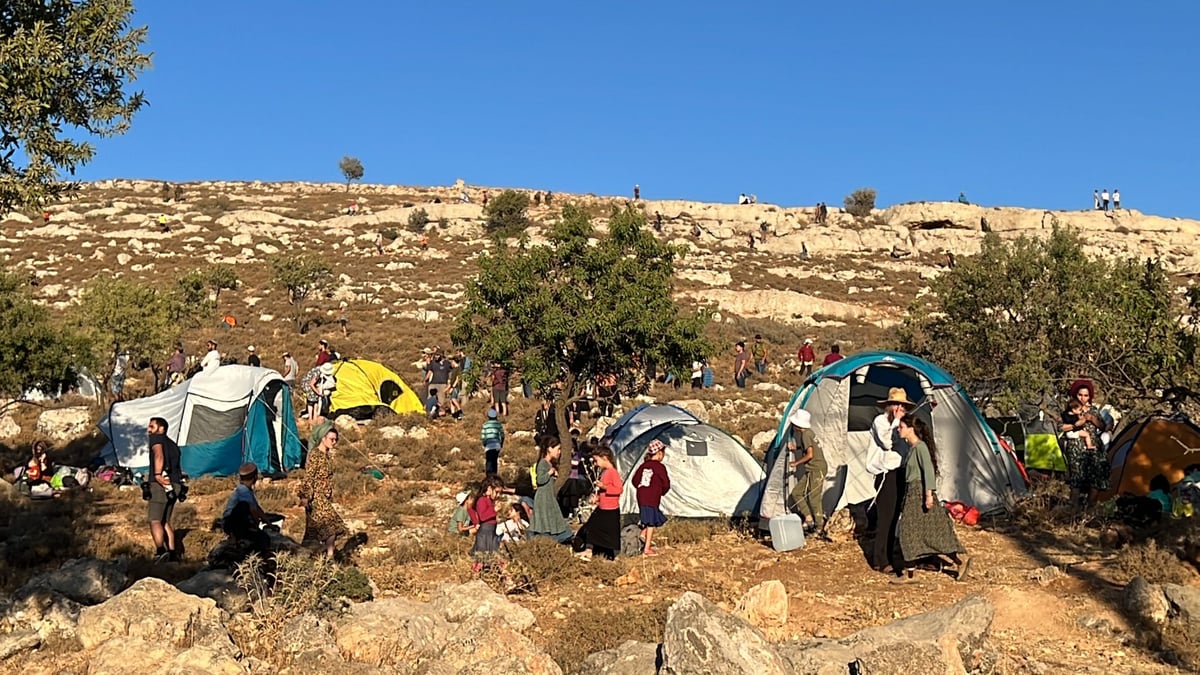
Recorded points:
(658, 222)
(962, 198)
(637, 192)
(983, 224)
(548, 198)
(485, 197)
(1104, 200)
(696, 231)
(898, 252)
(1116, 199)
(1096, 199)
(803, 251)
(751, 241)
(45, 217)
(950, 259)
(743, 199)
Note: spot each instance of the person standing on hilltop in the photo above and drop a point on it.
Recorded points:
(379, 242)
(1116, 199)
(658, 226)
(1104, 200)
(637, 192)
(1096, 200)
(485, 198)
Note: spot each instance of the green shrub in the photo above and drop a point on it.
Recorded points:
(505, 215)
(417, 220)
(860, 202)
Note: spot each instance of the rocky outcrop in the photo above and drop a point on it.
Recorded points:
(64, 423)
(765, 605)
(86, 581)
(629, 658)
(158, 613)
(700, 637)
(949, 640)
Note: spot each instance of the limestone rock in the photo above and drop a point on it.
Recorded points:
(629, 658)
(762, 440)
(15, 643)
(771, 387)
(47, 613)
(700, 637)
(157, 612)
(693, 406)
(944, 640)
(345, 422)
(1146, 602)
(484, 646)
(84, 580)
(457, 603)
(123, 259)
(217, 585)
(8, 427)
(601, 426)
(308, 643)
(64, 423)
(391, 632)
(137, 656)
(765, 605)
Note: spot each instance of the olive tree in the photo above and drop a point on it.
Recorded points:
(65, 71)
(1019, 321)
(301, 276)
(35, 353)
(352, 169)
(575, 308)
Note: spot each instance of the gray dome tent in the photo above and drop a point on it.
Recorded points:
(712, 473)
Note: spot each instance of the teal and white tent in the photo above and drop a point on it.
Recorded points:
(220, 419)
(843, 399)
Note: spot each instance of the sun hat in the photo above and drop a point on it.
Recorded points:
(327, 368)
(655, 446)
(461, 497)
(491, 413)
(897, 395)
(800, 418)
(1082, 383)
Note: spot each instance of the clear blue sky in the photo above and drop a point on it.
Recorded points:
(1018, 103)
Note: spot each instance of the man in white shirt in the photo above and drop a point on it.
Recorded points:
(291, 369)
(886, 459)
(1116, 199)
(212, 358)
(120, 370)
(1104, 200)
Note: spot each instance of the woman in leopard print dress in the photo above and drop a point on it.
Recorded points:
(322, 523)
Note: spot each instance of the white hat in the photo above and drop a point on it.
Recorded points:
(327, 368)
(461, 497)
(808, 341)
(250, 348)
(800, 418)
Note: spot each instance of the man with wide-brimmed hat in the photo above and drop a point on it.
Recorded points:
(884, 459)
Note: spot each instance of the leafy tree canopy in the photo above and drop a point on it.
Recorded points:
(64, 70)
(577, 308)
(504, 215)
(118, 314)
(301, 276)
(352, 169)
(1021, 320)
(860, 202)
(34, 353)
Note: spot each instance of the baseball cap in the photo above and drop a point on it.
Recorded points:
(461, 497)
(655, 446)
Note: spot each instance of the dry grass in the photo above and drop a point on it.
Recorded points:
(589, 630)
(1158, 565)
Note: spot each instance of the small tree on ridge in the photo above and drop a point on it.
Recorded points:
(352, 169)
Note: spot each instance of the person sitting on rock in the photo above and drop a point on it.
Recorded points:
(242, 514)
(38, 469)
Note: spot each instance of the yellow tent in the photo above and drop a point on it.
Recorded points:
(363, 386)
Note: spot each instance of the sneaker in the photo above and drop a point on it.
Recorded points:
(162, 557)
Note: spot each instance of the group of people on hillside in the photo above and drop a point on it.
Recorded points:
(756, 357)
(911, 526)
(593, 474)
(1102, 201)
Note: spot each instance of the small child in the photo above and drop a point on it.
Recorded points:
(513, 527)
(432, 410)
(486, 541)
(652, 482)
(1075, 412)
(460, 522)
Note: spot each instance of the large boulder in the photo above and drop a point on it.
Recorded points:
(217, 585)
(700, 637)
(391, 632)
(8, 427)
(484, 645)
(157, 612)
(457, 603)
(946, 640)
(64, 424)
(137, 656)
(307, 644)
(629, 658)
(1146, 602)
(87, 581)
(765, 605)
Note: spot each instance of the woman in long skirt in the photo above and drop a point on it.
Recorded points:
(602, 533)
(926, 529)
(547, 519)
(322, 524)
